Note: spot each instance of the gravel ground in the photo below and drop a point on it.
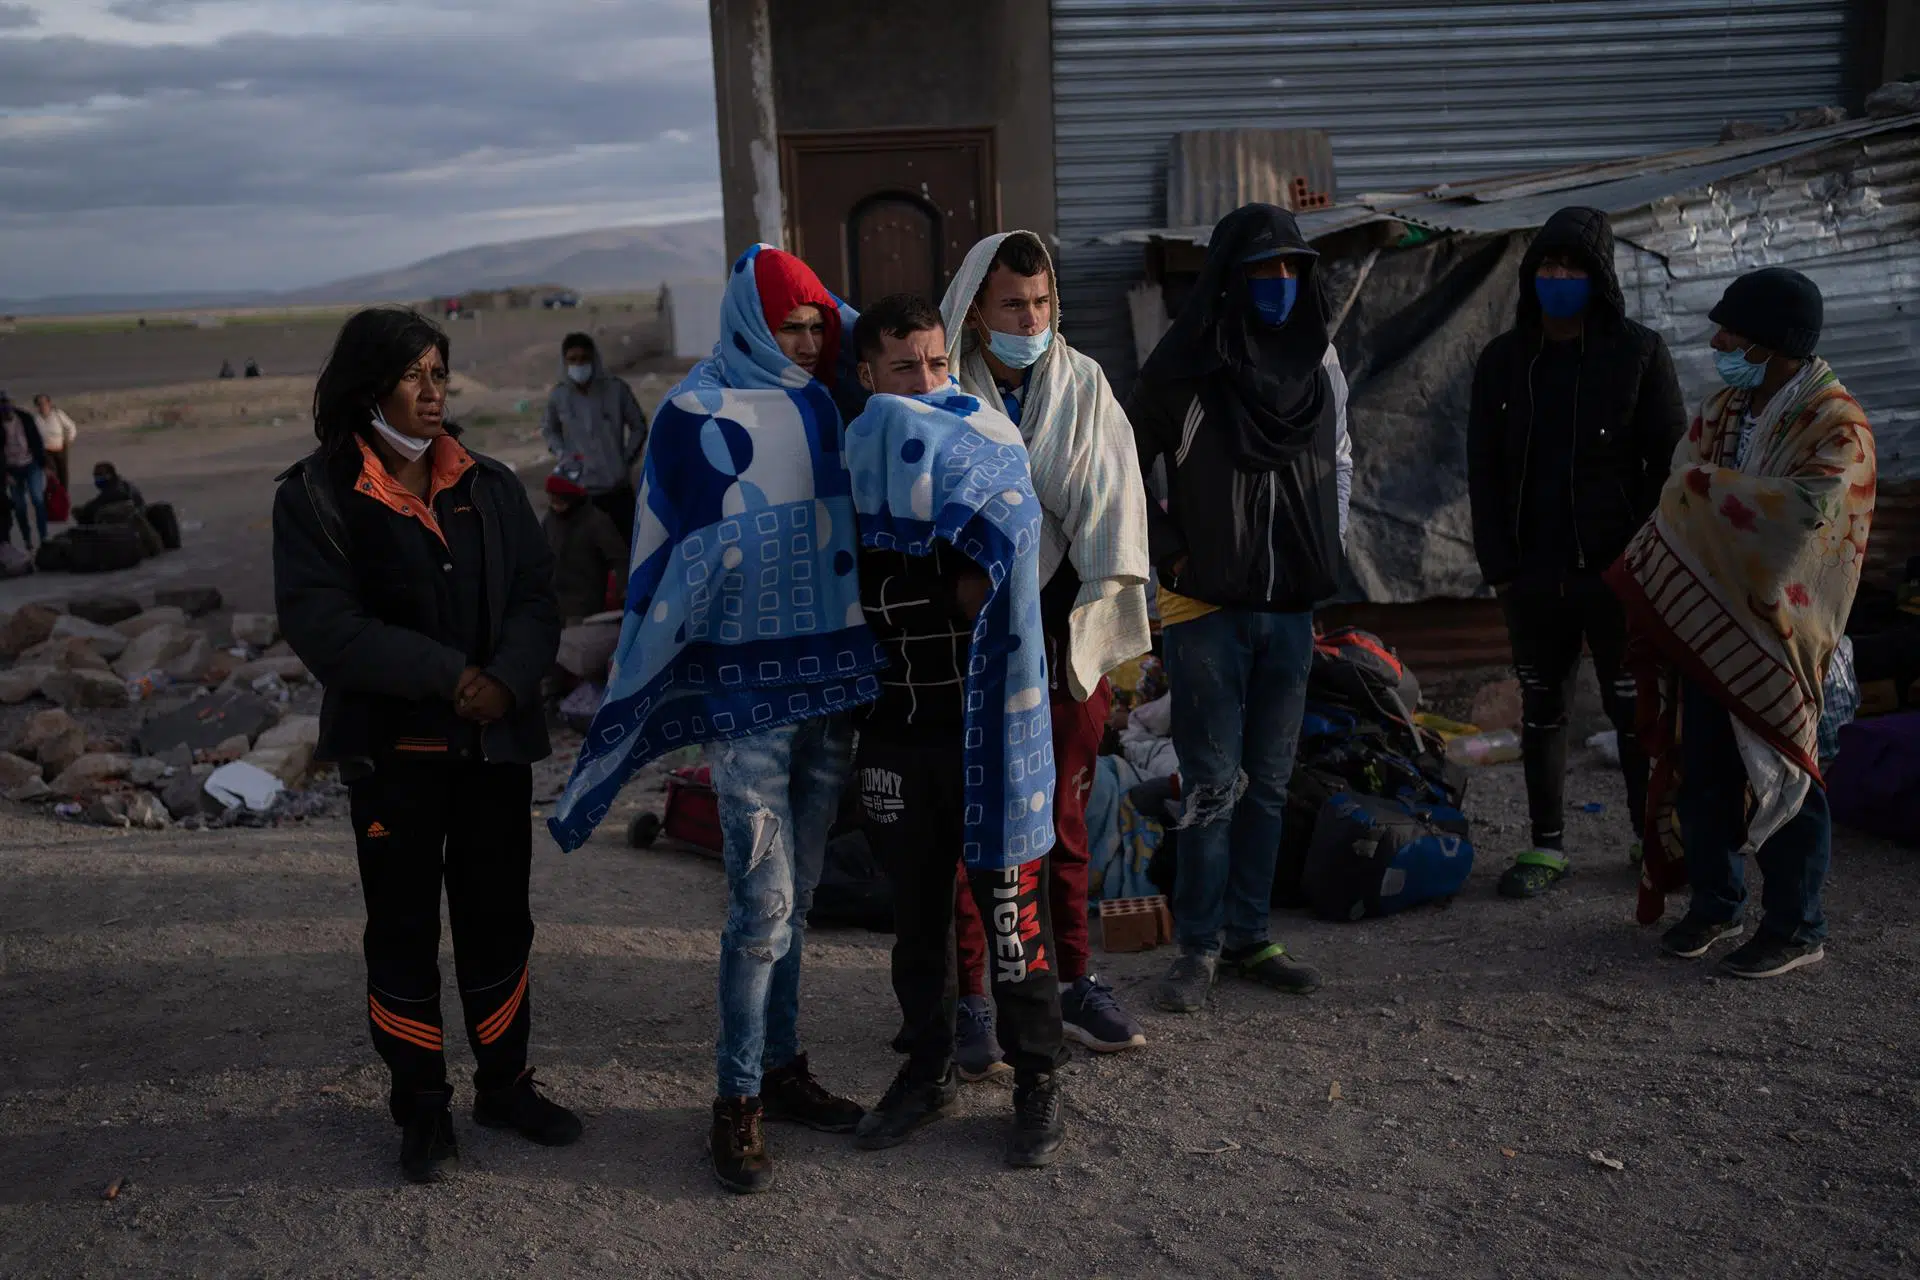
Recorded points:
(184, 1017)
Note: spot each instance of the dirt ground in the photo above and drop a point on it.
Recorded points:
(184, 1021)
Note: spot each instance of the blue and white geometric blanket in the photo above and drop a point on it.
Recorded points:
(943, 466)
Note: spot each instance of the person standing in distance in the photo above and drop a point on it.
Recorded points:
(595, 429)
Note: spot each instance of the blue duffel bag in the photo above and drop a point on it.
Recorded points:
(1373, 856)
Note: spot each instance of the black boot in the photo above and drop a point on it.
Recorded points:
(909, 1105)
(791, 1093)
(427, 1143)
(738, 1145)
(1039, 1129)
(520, 1107)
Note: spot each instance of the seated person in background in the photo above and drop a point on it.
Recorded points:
(586, 547)
(111, 491)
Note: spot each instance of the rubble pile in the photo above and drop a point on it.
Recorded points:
(151, 716)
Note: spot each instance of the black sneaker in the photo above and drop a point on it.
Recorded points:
(427, 1144)
(738, 1145)
(1187, 981)
(909, 1106)
(1091, 1014)
(976, 1050)
(791, 1093)
(520, 1107)
(1039, 1130)
(1693, 938)
(1769, 956)
(1268, 964)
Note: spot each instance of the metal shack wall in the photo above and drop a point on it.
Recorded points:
(1411, 93)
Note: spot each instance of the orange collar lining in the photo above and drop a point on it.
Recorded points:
(450, 462)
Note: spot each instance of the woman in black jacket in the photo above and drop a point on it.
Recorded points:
(413, 578)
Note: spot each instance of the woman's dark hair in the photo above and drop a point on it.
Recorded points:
(375, 349)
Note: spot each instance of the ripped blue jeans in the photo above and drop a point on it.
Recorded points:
(778, 792)
(1239, 684)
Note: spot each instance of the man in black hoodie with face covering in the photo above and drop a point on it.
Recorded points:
(1244, 401)
(1576, 412)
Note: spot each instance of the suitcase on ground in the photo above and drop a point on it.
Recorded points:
(692, 815)
(166, 523)
(1373, 857)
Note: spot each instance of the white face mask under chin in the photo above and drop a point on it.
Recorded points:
(406, 446)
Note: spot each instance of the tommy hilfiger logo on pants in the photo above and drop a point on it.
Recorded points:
(1018, 952)
(880, 795)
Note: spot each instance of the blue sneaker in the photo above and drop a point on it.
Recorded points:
(976, 1050)
(1090, 1014)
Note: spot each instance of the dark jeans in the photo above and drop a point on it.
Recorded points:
(418, 824)
(1547, 626)
(1239, 682)
(912, 806)
(619, 505)
(1713, 826)
(27, 491)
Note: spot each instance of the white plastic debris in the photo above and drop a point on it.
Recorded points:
(241, 783)
(1607, 744)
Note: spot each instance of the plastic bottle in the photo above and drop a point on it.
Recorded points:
(1497, 747)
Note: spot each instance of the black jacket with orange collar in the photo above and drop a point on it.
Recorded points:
(388, 599)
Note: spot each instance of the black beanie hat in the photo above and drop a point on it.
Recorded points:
(1776, 307)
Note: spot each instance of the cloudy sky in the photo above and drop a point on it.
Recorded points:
(151, 145)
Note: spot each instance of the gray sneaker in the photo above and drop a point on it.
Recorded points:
(1184, 989)
(976, 1050)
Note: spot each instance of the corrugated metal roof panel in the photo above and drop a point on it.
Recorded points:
(1409, 92)
(1212, 172)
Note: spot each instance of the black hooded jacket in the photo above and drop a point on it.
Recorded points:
(1246, 420)
(1617, 445)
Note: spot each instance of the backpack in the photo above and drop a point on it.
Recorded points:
(166, 523)
(1354, 670)
(1372, 856)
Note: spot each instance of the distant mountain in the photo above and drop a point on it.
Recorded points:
(610, 260)
(605, 261)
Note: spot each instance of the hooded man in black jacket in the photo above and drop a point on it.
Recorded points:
(1243, 399)
(1576, 412)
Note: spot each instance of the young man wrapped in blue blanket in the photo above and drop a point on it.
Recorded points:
(955, 762)
(744, 629)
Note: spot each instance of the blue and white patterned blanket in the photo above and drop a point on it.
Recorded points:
(944, 466)
(743, 600)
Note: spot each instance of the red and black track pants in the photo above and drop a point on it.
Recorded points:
(419, 824)
(913, 811)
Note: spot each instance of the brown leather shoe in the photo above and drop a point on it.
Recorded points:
(738, 1145)
(791, 1093)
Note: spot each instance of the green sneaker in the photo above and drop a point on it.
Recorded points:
(1533, 873)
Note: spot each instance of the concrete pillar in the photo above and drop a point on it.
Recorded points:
(749, 143)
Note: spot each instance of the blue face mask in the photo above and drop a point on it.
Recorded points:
(1737, 371)
(1273, 298)
(1561, 297)
(1017, 351)
(101, 482)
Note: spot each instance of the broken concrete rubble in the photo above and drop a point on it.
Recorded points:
(53, 738)
(160, 616)
(67, 651)
(191, 664)
(85, 689)
(26, 627)
(289, 763)
(151, 650)
(104, 610)
(257, 630)
(87, 776)
(207, 722)
(196, 602)
(16, 772)
(147, 771)
(105, 640)
(17, 684)
(186, 793)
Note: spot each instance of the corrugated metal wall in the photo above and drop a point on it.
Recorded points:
(1412, 94)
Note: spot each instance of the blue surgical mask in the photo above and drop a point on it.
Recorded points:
(1017, 351)
(581, 374)
(1273, 298)
(1737, 371)
(1562, 297)
(101, 482)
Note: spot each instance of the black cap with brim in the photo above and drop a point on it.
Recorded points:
(1776, 308)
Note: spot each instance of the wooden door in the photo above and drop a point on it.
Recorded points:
(888, 212)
